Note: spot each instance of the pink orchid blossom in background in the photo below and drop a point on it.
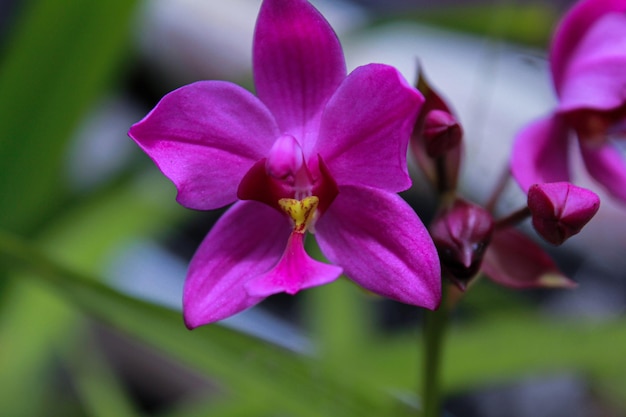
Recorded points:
(315, 151)
(588, 65)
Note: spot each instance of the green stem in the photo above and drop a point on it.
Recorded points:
(498, 190)
(513, 218)
(435, 326)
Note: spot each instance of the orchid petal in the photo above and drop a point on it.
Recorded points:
(295, 271)
(540, 153)
(595, 77)
(607, 165)
(298, 64)
(573, 28)
(245, 243)
(382, 245)
(204, 137)
(366, 127)
(515, 261)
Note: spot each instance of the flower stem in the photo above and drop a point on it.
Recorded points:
(435, 325)
(498, 190)
(513, 218)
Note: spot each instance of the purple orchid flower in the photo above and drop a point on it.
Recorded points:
(588, 65)
(314, 151)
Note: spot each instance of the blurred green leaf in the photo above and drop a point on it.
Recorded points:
(99, 389)
(523, 343)
(341, 325)
(59, 59)
(505, 346)
(35, 323)
(30, 323)
(244, 364)
(529, 23)
(245, 407)
(338, 317)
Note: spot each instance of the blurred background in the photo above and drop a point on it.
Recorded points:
(94, 248)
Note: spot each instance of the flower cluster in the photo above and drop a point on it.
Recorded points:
(469, 238)
(588, 62)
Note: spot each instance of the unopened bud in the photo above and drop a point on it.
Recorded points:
(436, 141)
(442, 133)
(560, 210)
(462, 234)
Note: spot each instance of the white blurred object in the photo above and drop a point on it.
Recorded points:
(193, 40)
(146, 271)
(101, 147)
(494, 88)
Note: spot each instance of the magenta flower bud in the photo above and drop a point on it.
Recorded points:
(560, 210)
(462, 234)
(442, 133)
(436, 141)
